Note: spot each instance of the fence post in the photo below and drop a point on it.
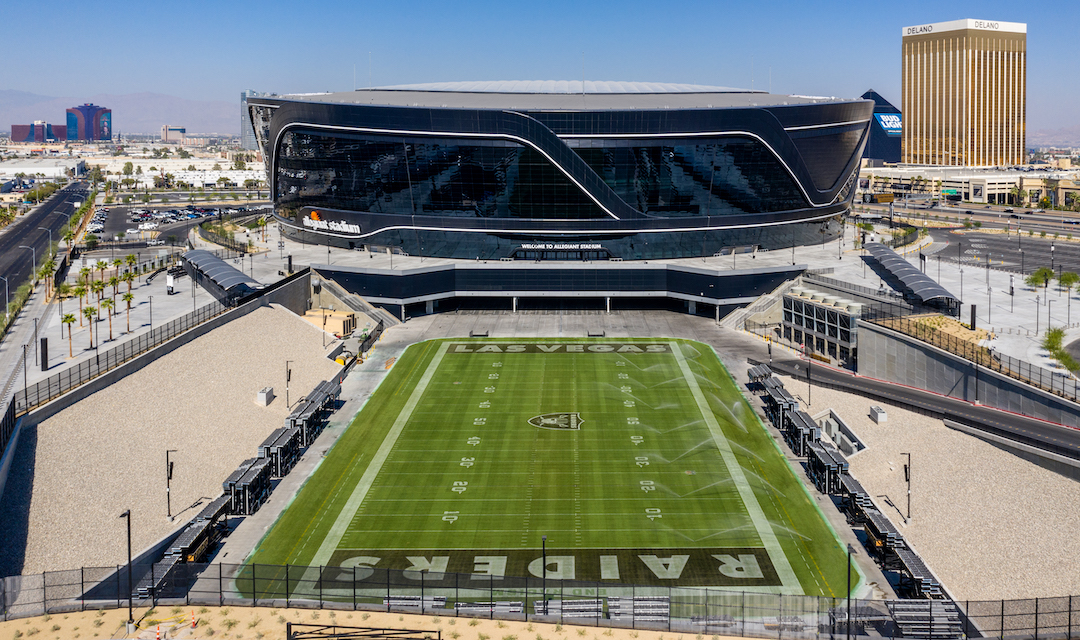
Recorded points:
(254, 593)
(288, 593)
(1002, 620)
(1036, 619)
(220, 588)
(321, 570)
(388, 591)
(45, 603)
(354, 588)
(421, 593)
(742, 614)
(82, 589)
(1069, 637)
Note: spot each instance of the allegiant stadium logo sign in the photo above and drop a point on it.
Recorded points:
(315, 221)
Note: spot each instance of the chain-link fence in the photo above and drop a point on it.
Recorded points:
(103, 361)
(698, 610)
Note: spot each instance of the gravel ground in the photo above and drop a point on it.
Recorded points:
(77, 471)
(989, 524)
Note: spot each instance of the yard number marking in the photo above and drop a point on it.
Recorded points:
(647, 485)
(467, 462)
(475, 440)
(450, 516)
(642, 461)
(459, 487)
(652, 514)
(637, 439)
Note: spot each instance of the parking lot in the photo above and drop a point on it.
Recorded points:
(153, 224)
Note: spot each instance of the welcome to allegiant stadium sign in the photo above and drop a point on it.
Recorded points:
(319, 224)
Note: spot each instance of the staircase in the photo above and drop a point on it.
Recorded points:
(356, 303)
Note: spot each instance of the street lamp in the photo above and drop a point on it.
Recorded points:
(168, 484)
(7, 297)
(1048, 308)
(1012, 294)
(1036, 315)
(288, 376)
(33, 255)
(127, 515)
(151, 314)
(47, 251)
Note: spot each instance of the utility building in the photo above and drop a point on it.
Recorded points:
(964, 93)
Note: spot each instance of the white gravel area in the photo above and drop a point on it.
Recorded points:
(989, 524)
(106, 453)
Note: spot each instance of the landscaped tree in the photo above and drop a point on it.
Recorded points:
(1040, 278)
(128, 277)
(1067, 281)
(108, 305)
(99, 289)
(69, 319)
(102, 267)
(80, 290)
(89, 313)
(128, 297)
(114, 282)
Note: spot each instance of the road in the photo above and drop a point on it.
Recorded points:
(1043, 435)
(16, 263)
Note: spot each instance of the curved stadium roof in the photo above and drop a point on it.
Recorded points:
(562, 86)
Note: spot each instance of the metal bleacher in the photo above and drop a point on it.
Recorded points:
(926, 618)
(640, 608)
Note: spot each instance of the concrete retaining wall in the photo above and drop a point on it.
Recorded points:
(292, 296)
(892, 356)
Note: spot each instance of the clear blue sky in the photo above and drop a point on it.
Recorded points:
(211, 50)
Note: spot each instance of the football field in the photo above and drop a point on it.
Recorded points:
(626, 461)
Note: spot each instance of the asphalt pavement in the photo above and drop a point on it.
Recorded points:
(33, 230)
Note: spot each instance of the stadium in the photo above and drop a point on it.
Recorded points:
(561, 170)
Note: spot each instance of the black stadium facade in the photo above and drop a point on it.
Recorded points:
(547, 171)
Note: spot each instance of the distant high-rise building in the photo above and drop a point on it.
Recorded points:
(40, 131)
(247, 133)
(173, 134)
(89, 122)
(964, 93)
(885, 130)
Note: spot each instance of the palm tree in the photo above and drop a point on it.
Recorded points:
(99, 288)
(262, 227)
(108, 305)
(117, 262)
(102, 266)
(69, 319)
(89, 312)
(84, 274)
(131, 261)
(128, 297)
(80, 290)
(128, 277)
(114, 282)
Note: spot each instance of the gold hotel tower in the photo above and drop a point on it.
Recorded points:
(964, 93)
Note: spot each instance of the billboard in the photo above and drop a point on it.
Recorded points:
(890, 122)
(104, 125)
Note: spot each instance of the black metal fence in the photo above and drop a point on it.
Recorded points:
(700, 610)
(218, 239)
(924, 329)
(7, 427)
(41, 392)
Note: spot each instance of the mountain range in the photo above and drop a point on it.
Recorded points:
(131, 113)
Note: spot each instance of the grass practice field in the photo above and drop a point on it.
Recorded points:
(639, 460)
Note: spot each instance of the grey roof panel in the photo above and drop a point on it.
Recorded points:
(921, 285)
(225, 275)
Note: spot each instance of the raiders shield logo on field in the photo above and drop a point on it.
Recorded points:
(571, 421)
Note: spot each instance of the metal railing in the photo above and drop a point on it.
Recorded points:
(104, 361)
(221, 240)
(700, 610)
(1060, 384)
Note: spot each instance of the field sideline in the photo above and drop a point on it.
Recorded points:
(639, 460)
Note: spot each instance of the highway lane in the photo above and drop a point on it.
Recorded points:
(1044, 435)
(16, 264)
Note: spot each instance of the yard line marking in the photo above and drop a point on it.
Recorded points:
(345, 516)
(753, 509)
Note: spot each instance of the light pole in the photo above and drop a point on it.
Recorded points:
(848, 625)
(907, 478)
(151, 314)
(127, 515)
(1012, 294)
(989, 303)
(33, 255)
(288, 376)
(1036, 315)
(1048, 308)
(168, 484)
(47, 251)
(543, 572)
(7, 297)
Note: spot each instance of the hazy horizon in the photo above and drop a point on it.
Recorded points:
(211, 52)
